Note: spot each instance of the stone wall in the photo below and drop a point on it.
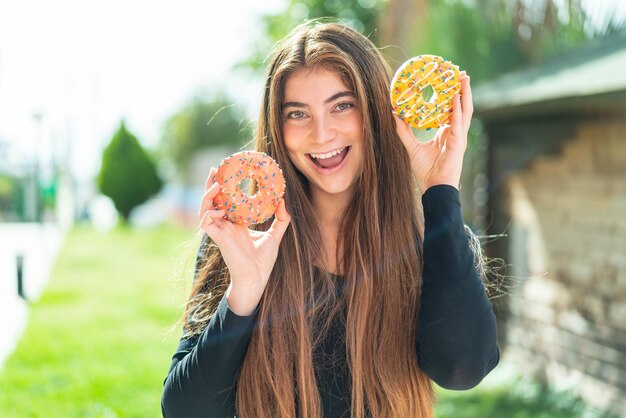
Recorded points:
(566, 321)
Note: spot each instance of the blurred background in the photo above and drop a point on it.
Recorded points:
(111, 115)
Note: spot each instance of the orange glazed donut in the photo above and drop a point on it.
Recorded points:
(241, 208)
(412, 78)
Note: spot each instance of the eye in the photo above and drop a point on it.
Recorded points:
(343, 106)
(296, 114)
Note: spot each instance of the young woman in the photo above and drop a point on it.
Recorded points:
(363, 289)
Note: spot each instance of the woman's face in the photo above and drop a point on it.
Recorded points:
(323, 130)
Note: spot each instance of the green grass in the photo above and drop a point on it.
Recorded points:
(509, 401)
(99, 340)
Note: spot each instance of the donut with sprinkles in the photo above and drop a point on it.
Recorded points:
(241, 208)
(407, 88)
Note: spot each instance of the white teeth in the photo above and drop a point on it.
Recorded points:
(328, 155)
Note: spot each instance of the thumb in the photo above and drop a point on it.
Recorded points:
(404, 132)
(281, 222)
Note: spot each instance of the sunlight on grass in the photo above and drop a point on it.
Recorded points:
(98, 342)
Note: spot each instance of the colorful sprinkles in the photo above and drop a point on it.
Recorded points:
(240, 207)
(412, 78)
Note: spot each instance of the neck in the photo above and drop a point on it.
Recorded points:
(330, 208)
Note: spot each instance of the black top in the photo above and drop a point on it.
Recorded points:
(456, 336)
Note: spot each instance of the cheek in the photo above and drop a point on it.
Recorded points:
(292, 136)
(355, 127)
(290, 139)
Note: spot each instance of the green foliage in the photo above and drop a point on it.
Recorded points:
(11, 197)
(521, 398)
(484, 37)
(127, 175)
(98, 342)
(491, 37)
(361, 15)
(7, 187)
(202, 124)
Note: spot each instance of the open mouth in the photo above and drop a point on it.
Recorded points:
(330, 159)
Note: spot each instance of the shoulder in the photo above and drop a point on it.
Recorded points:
(199, 312)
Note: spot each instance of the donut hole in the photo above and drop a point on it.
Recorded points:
(428, 94)
(424, 135)
(248, 186)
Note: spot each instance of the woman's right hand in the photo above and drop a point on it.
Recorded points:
(249, 255)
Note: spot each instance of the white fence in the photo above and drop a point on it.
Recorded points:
(37, 245)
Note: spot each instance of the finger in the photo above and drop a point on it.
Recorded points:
(442, 136)
(457, 138)
(281, 222)
(438, 137)
(467, 104)
(209, 179)
(256, 234)
(207, 199)
(456, 119)
(210, 217)
(404, 132)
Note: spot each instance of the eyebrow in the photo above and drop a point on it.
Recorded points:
(335, 96)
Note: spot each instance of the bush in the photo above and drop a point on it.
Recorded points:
(127, 175)
(202, 124)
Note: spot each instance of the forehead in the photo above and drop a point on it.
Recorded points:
(316, 83)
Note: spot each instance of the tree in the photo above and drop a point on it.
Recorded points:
(491, 37)
(202, 124)
(128, 174)
(11, 198)
(362, 15)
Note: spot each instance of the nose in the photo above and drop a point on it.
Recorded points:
(324, 130)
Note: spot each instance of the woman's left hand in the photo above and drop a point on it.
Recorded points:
(440, 160)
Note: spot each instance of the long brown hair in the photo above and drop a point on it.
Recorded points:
(379, 253)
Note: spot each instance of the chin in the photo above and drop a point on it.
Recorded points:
(337, 187)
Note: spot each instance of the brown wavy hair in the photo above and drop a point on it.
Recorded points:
(379, 255)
